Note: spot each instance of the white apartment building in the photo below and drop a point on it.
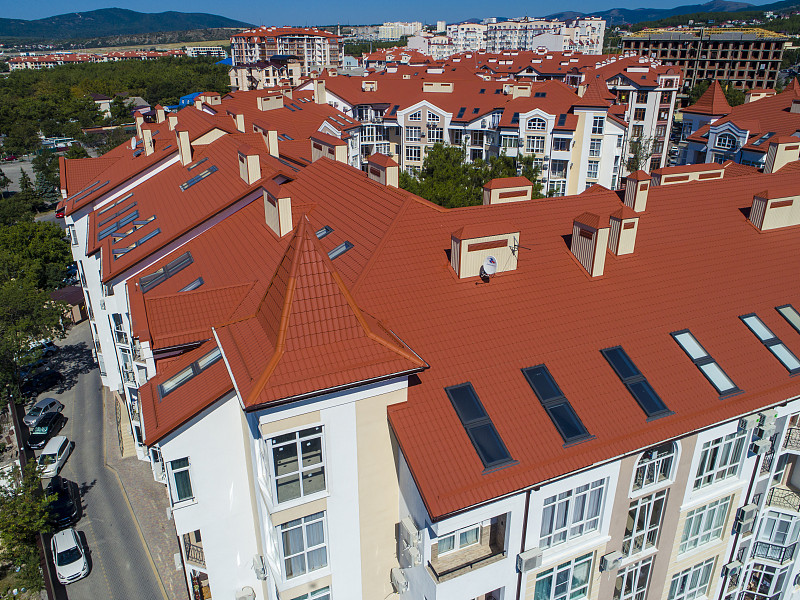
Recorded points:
(215, 51)
(467, 36)
(583, 35)
(316, 49)
(395, 30)
(325, 428)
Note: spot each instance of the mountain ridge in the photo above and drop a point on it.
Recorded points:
(111, 21)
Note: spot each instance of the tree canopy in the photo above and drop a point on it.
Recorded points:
(448, 180)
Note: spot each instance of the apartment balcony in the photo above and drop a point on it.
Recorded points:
(194, 548)
(792, 439)
(784, 497)
(129, 375)
(121, 337)
(774, 552)
(137, 351)
(487, 551)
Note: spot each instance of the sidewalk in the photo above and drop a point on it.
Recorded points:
(148, 499)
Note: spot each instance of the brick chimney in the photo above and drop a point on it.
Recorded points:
(383, 169)
(184, 146)
(637, 186)
(782, 150)
(589, 242)
(147, 141)
(624, 225)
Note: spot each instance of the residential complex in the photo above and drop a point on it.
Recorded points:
(467, 36)
(314, 48)
(748, 58)
(583, 34)
(746, 134)
(46, 61)
(292, 340)
(215, 51)
(396, 30)
(575, 114)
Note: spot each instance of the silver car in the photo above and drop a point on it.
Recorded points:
(69, 556)
(37, 410)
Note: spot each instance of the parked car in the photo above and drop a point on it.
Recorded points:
(55, 454)
(41, 407)
(69, 556)
(49, 424)
(65, 507)
(60, 212)
(10, 158)
(41, 382)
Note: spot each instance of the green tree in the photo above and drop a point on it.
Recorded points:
(4, 180)
(76, 151)
(119, 112)
(23, 515)
(640, 150)
(45, 166)
(33, 252)
(733, 95)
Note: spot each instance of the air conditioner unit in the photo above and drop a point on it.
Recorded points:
(749, 422)
(409, 532)
(768, 417)
(414, 555)
(530, 559)
(260, 567)
(760, 447)
(745, 518)
(610, 561)
(732, 568)
(399, 581)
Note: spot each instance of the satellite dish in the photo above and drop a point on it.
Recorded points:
(489, 267)
(133, 143)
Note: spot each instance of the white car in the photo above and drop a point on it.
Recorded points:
(54, 455)
(69, 556)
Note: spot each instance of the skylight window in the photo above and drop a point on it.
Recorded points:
(637, 385)
(321, 233)
(116, 203)
(789, 313)
(117, 252)
(703, 361)
(475, 111)
(773, 344)
(555, 403)
(193, 370)
(562, 119)
(497, 91)
(461, 112)
(540, 94)
(479, 427)
(197, 164)
(85, 190)
(339, 250)
(515, 118)
(148, 282)
(104, 233)
(763, 138)
(193, 285)
(198, 178)
(86, 193)
(483, 91)
(117, 214)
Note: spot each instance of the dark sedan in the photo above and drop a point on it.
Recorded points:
(49, 424)
(41, 382)
(65, 507)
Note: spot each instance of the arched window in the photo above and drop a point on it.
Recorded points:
(537, 124)
(726, 141)
(654, 467)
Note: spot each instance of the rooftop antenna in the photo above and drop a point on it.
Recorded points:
(488, 268)
(515, 246)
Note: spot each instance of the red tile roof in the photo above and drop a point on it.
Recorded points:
(712, 102)
(506, 182)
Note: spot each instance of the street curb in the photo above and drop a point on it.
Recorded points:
(128, 502)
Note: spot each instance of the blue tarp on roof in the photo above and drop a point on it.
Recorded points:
(225, 61)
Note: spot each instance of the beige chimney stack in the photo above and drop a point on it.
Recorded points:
(147, 141)
(383, 169)
(160, 114)
(139, 122)
(278, 211)
(320, 94)
(184, 146)
(782, 150)
(173, 121)
(589, 242)
(249, 165)
(624, 225)
(270, 102)
(637, 186)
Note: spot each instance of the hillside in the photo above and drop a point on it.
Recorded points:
(618, 16)
(110, 22)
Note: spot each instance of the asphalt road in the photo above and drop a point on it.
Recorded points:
(120, 568)
(13, 170)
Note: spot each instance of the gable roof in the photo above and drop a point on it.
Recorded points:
(712, 102)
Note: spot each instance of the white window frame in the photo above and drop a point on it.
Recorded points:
(598, 125)
(595, 146)
(435, 134)
(558, 187)
(271, 444)
(720, 459)
(566, 516)
(632, 581)
(413, 134)
(433, 117)
(320, 594)
(730, 142)
(558, 142)
(593, 169)
(534, 144)
(173, 487)
(705, 524)
(654, 468)
(413, 153)
(692, 582)
(649, 511)
(417, 116)
(458, 539)
(302, 523)
(566, 572)
(536, 124)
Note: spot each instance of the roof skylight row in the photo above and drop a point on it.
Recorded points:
(88, 192)
(117, 252)
(136, 225)
(197, 164)
(104, 233)
(198, 178)
(117, 214)
(116, 203)
(85, 189)
(148, 282)
(703, 361)
(193, 370)
(771, 341)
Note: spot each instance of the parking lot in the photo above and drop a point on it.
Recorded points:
(121, 567)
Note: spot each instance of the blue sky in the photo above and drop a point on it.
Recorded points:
(311, 12)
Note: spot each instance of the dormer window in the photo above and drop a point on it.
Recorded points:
(726, 141)
(537, 124)
(417, 116)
